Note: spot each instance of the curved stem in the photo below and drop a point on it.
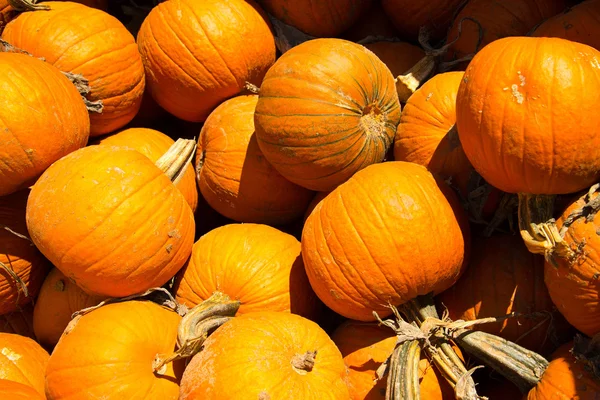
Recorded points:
(411, 80)
(27, 5)
(403, 378)
(174, 162)
(21, 286)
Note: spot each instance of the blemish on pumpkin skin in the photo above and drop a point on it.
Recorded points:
(264, 396)
(516, 94)
(169, 248)
(334, 294)
(10, 354)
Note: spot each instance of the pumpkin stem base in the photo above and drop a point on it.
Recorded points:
(27, 5)
(175, 161)
(411, 80)
(304, 363)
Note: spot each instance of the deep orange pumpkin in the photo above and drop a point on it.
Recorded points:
(399, 57)
(318, 126)
(199, 53)
(23, 360)
(234, 176)
(284, 369)
(111, 220)
(19, 322)
(84, 40)
(508, 126)
(36, 128)
(384, 237)
(153, 144)
(18, 391)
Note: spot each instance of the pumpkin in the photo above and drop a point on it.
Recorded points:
(376, 240)
(59, 299)
(256, 264)
(481, 22)
(116, 340)
(83, 40)
(399, 57)
(31, 141)
(132, 230)
(296, 356)
(199, 53)
(373, 23)
(22, 267)
(316, 200)
(577, 24)
(233, 175)
(318, 126)
(19, 322)
(22, 360)
(7, 13)
(153, 144)
(18, 391)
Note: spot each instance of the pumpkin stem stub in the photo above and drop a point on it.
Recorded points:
(175, 161)
(411, 80)
(252, 88)
(304, 363)
(27, 5)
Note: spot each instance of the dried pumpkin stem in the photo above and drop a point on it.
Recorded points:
(403, 378)
(304, 363)
(20, 284)
(411, 80)
(174, 162)
(252, 88)
(17, 234)
(27, 5)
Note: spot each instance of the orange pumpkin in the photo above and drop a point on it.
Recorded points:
(87, 41)
(384, 237)
(316, 200)
(318, 126)
(373, 23)
(256, 264)
(153, 144)
(116, 340)
(506, 124)
(199, 53)
(59, 299)
(18, 391)
(22, 267)
(297, 359)
(7, 13)
(132, 230)
(233, 175)
(23, 360)
(399, 57)
(19, 322)
(31, 141)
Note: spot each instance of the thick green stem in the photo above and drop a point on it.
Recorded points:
(403, 377)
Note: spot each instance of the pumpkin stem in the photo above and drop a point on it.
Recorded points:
(20, 284)
(17, 234)
(303, 363)
(83, 87)
(402, 368)
(174, 162)
(27, 5)
(411, 80)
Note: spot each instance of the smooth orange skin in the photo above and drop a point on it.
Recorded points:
(199, 53)
(256, 264)
(234, 176)
(23, 360)
(309, 121)
(573, 286)
(42, 118)
(109, 353)
(509, 127)
(154, 144)
(498, 19)
(18, 391)
(578, 24)
(565, 378)
(18, 255)
(111, 221)
(59, 298)
(375, 241)
(399, 57)
(374, 23)
(250, 357)
(19, 322)
(87, 41)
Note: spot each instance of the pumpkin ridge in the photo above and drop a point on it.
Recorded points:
(343, 106)
(57, 60)
(351, 129)
(99, 57)
(8, 130)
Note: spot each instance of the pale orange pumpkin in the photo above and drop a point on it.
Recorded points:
(23, 360)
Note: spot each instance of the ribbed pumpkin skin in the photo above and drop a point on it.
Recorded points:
(19, 322)
(199, 53)
(256, 264)
(384, 237)
(578, 24)
(277, 337)
(18, 255)
(59, 298)
(18, 391)
(31, 141)
(132, 230)
(153, 144)
(23, 360)
(87, 41)
(318, 126)
(498, 19)
(399, 57)
(109, 354)
(509, 127)
(234, 176)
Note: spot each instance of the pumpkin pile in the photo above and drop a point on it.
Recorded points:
(272, 200)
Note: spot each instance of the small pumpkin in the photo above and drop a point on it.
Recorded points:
(318, 126)
(19, 322)
(116, 340)
(31, 141)
(22, 360)
(18, 391)
(296, 356)
(399, 57)
(83, 40)
(234, 176)
(195, 60)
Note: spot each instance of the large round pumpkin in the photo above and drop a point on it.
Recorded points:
(111, 220)
(31, 141)
(234, 176)
(19, 322)
(318, 126)
(272, 355)
(199, 53)
(256, 264)
(507, 116)
(18, 391)
(384, 237)
(108, 354)
(87, 41)
(153, 144)
(22, 360)
(22, 267)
